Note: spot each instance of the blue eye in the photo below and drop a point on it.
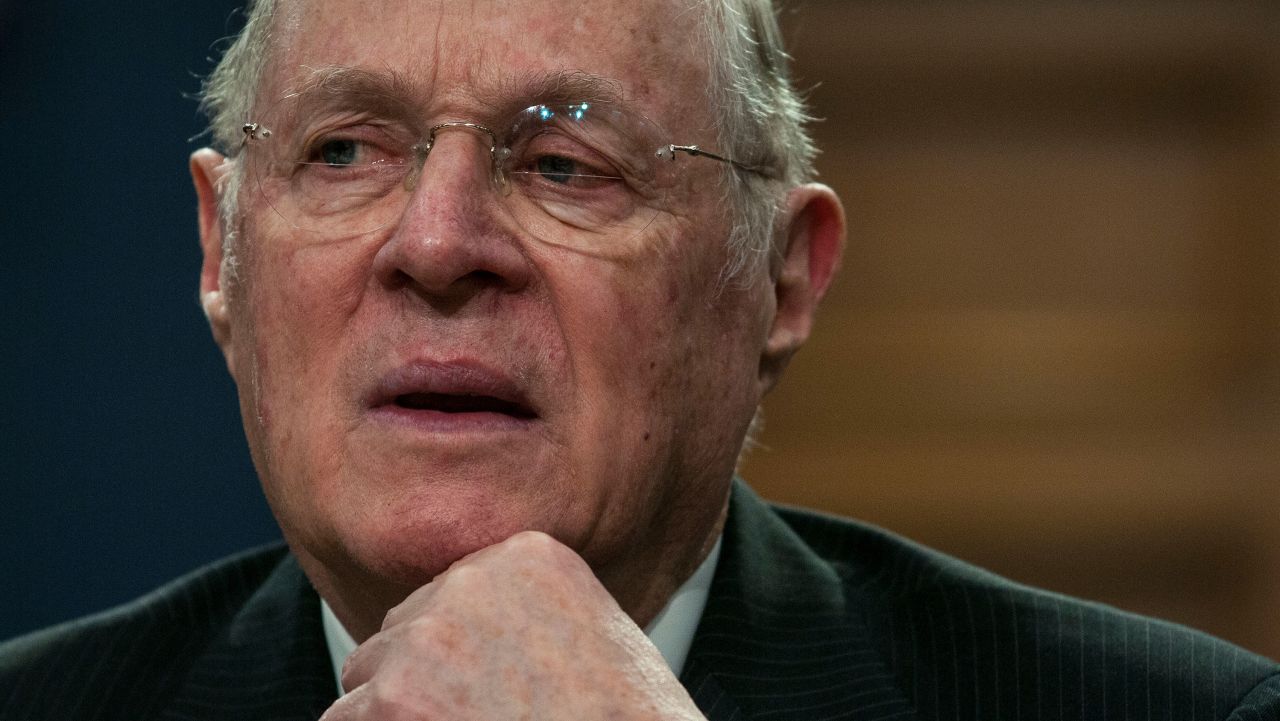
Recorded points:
(338, 152)
(556, 168)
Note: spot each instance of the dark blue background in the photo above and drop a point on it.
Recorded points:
(124, 460)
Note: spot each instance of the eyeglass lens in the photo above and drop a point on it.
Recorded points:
(580, 173)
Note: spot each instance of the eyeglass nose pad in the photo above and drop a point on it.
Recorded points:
(497, 155)
(420, 153)
(500, 156)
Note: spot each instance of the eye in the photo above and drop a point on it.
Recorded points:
(338, 152)
(349, 166)
(365, 145)
(556, 168)
(560, 161)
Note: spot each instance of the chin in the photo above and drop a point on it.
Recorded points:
(410, 546)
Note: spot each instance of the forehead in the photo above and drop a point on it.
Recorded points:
(456, 53)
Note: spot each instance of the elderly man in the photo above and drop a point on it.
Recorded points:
(501, 285)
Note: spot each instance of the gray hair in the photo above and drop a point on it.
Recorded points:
(227, 95)
(226, 99)
(762, 121)
(761, 116)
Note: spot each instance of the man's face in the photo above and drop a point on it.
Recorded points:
(422, 391)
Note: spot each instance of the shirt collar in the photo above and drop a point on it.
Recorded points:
(671, 630)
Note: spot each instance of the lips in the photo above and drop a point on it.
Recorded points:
(451, 395)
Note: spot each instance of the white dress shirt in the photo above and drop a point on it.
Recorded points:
(671, 630)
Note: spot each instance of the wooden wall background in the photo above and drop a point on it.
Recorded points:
(1055, 346)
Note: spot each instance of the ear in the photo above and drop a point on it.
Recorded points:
(813, 239)
(208, 168)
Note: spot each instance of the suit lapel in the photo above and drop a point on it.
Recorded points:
(270, 663)
(714, 702)
(779, 638)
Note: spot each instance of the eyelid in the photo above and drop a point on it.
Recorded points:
(374, 139)
(565, 146)
(334, 122)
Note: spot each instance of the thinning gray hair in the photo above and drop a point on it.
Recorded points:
(226, 99)
(761, 116)
(762, 120)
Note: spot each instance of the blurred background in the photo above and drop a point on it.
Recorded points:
(124, 461)
(1055, 346)
(1054, 350)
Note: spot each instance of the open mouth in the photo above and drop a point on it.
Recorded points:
(457, 396)
(463, 403)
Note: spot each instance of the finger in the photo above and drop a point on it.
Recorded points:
(364, 661)
(346, 708)
(420, 601)
(413, 605)
(363, 704)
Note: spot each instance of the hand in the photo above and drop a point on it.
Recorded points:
(519, 630)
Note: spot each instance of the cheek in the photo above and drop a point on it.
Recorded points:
(666, 344)
(296, 306)
(297, 302)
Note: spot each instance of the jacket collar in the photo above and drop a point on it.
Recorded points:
(269, 663)
(780, 636)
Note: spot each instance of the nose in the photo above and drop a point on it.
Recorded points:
(454, 241)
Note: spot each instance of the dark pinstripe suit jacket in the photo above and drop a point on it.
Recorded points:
(809, 618)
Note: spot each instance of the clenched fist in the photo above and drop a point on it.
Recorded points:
(519, 630)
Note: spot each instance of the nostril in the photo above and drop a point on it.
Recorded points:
(485, 277)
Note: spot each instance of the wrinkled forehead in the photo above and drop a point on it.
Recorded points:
(494, 52)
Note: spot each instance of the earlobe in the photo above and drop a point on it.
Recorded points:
(208, 168)
(814, 231)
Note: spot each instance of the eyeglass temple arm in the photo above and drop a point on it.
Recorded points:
(669, 152)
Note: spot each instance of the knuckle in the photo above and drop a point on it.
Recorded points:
(361, 662)
(388, 702)
(462, 583)
(420, 630)
(393, 617)
(532, 539)
(426, 634)
(412, 604)
(537, 545)
(348, 672)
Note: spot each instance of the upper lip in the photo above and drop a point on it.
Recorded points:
(452, 385)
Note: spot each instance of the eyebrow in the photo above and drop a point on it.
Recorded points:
(396, 94)
(562, 86)
(346, 87)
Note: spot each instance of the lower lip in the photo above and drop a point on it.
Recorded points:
(429, 421)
